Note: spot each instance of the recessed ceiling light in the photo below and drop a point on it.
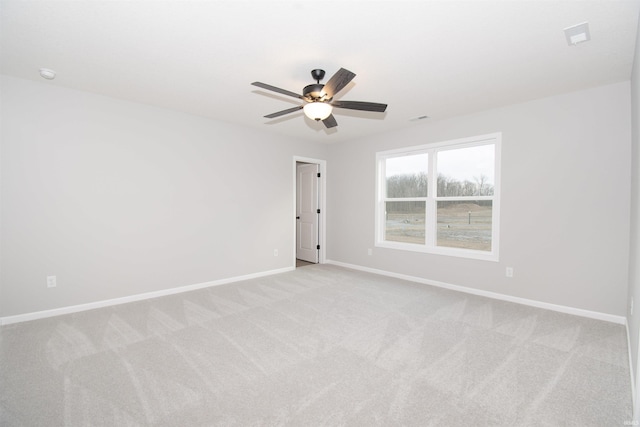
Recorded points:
(47, 73)
(415, 119)
(577, 34)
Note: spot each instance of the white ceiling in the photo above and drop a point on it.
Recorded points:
(435, 58)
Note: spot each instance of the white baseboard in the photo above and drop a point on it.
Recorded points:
(148, 295)
(533, 303)
(106, 303)
(633, 381)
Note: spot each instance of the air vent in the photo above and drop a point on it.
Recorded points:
(577, 34)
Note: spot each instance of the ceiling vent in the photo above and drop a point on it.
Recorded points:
(577, 34)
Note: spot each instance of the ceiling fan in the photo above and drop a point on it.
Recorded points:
(319, 98)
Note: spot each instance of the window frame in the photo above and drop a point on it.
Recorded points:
(432, 198)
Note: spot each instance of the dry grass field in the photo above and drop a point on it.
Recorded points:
(460, 225)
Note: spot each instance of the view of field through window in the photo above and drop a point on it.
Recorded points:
(405, 222)
(406, 177)
(463, 206)
(465, 225)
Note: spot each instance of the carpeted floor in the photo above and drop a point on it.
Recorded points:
(321, 345)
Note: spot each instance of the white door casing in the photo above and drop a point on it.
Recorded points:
(307, 212)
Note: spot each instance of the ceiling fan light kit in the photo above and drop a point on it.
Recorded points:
(319, 98)
(318, 110)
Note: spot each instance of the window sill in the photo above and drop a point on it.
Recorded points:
(455, 252)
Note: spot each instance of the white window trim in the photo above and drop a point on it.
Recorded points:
(429, 246)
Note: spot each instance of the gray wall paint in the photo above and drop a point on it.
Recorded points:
(633, 321)
(565, 201)
(117, 198)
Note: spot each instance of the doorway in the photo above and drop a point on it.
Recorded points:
(309, 203)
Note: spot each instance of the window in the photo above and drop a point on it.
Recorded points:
(441, 198)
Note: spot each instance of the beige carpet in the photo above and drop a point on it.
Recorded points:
(321, 345)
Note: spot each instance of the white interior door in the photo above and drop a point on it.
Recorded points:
(307, 211)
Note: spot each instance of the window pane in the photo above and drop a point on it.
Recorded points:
(406, 176)
(465, 224)
(466, 171)
(405, 222)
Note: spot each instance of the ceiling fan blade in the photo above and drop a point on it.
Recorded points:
(283, 112)
(337, 82)
(277, 89)
(359, 105)
(330, 122)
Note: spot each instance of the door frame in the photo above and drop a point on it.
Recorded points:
(322, 203)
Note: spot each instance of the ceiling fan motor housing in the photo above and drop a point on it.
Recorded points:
(314, 92)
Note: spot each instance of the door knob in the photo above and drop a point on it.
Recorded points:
(297, 217)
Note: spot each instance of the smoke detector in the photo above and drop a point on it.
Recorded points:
(47, 73)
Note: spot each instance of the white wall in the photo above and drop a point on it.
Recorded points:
(117, 198)
(565, 201)
(633, 321)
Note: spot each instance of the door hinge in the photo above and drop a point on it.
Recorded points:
(318, 211)
(318, 174)
(318, 247)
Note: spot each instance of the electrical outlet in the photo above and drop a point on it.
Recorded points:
(509, 272)
(51, 281)
(275, 252)
(369, 251)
